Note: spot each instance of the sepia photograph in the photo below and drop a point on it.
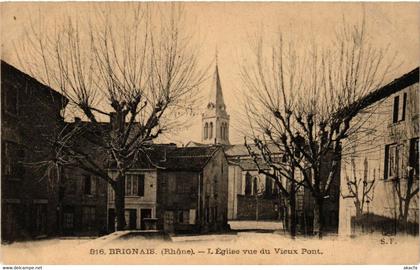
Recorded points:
(210, 133)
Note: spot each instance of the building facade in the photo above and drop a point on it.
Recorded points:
(252, 195)
(31, 116)
(193, 190)
(380, 164)
(140, 199)
(185, 192)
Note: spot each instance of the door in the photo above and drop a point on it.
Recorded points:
(145, 213)
(68, 220)
(168, 225)
(132, 220)
(111, 220)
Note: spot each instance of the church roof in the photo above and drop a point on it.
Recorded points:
(172, 158)
(188, 158)
(216, 94)
(241, 150)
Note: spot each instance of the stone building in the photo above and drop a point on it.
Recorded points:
(193, 190)
(184, 191)
(141, 188)
(31, 115)
(380, 164)
(83, 196)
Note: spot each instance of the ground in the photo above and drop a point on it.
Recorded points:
(245, 246)
(255, 225)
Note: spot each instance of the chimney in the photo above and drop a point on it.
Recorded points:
(164, 154)
(113, 121)
(77, 120)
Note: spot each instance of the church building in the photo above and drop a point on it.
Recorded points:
(251, 195)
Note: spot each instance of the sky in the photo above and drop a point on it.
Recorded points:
(228, 28)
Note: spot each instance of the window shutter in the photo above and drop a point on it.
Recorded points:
(396, 109)
(404, 106)
(93, 185)
(192, 216)
(128, 179)
(140, 190)
(386, 162)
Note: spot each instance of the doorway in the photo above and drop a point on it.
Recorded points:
(145, 213)
(131, 218)
(111, 220)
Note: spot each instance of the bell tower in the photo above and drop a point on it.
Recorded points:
(215, 120)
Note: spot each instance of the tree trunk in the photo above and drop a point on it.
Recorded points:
(256, 208)
(119, 191)
(319, 217)
(359, 211)
(286, 217)
(293, 214)
(404, 217)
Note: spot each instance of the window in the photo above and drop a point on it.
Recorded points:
(88, 217)
(399, 108)
(207, 214)
(414, 156)
(211, 130)
(40, 218)
(68, 220)
(206, 131)
(192, 216)
(184, 216)
(134, 185)
(14, 156)
(183, 186)
(255, 186)
(70, 186)
(268, 186)
(89, 187)
(248, 184)
(392, 160)
(140, 188)
(215, 187)
(209, 187)
(171, 182)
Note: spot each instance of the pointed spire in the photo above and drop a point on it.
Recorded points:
(216, 94)
(216, 56)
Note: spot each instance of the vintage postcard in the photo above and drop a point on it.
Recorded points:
(210, 133)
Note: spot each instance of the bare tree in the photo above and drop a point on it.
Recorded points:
(134, 66)
(283, 171)
(361, 190)
(303, 100)
(405, 183)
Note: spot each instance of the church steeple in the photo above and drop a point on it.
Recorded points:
(216, 94)
(215, 120)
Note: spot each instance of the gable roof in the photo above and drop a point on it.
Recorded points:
(188, 158)
(389, 89)
(7, 70)
(241, 150)
(248, 164)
